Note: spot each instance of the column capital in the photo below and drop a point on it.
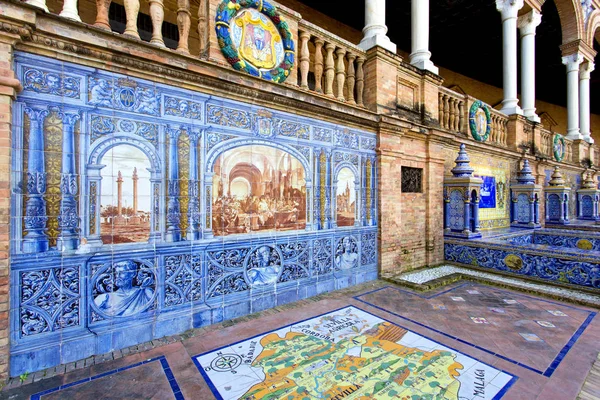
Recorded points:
(529, 22)
(509, 8)
(572, 61)
(586, 69)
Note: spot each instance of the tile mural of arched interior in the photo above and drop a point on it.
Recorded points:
(141, 210)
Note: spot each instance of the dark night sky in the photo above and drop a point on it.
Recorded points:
(466, 37)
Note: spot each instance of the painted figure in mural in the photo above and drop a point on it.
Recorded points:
(265, 270)
(100, 94)
(148, 103)
(127, 299)
(347, 257)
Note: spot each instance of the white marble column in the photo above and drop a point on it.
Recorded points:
(572, 62)
(419, 19)
(584, 100)
(527, 25)
(509, 10)
(375, 30)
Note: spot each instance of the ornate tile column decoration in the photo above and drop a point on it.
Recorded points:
(373, 186)
(557, 199)
(461, 200)
(525, 196)
(327, 186)
(317, 204)
(173, 212)
(36, 240)
(68, 220)
(194, 230)
(587, 199)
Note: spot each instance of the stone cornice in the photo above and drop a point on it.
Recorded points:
(578, 46)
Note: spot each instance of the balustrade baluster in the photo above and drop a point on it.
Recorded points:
(452, 116)
(350, 79)
(184, 21)
(340, 72)
(102, 7)
(360, 81)
(70, 10)
(329, 69)
(446, 111)
(461, 113)
(319, 65)
(132, 8)
(203, 27)
(441, 108)
(157, 15)
(38, 3)
(304, 59)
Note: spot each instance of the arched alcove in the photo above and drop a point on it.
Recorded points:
(125, 201)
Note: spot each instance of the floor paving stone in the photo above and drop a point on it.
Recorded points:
(559, 366)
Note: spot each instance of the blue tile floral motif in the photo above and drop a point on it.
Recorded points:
(522, 209)
(183, 279)
(48, 82)
(554, 206)
(49, 300)
(563, 267)
(123, 94)
(183, 108)
(587, 206)
(457, 207)
(194, 246)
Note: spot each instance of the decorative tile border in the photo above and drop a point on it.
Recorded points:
(548, 372)
(163, 362)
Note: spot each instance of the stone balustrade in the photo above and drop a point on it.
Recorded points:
(330, 65)
(452, 110)
(568, 151)
(499, 131)
(546, 146)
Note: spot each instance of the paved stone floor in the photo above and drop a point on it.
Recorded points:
(466, 339)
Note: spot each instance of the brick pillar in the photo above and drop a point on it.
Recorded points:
(9, 87)
(581, 150)
(516, 131)
(390, 207)
(381, 75)
(431, 102)
(433, 180)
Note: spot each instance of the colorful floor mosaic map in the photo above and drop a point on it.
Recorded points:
(347, 354)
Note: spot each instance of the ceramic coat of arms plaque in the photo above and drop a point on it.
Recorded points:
(254, 38)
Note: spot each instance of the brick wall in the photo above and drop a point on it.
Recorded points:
(8, 86)
(411, 224)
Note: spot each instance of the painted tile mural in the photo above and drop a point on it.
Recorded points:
(372, 358)
(142, 210)
(494, 207)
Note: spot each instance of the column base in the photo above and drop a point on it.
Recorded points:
(532, 116)
(377, 40)
(421, 60)
(511, 108)
(67, 242)
(37, 244)
(173, 235)
(193, 235)
(574, 135)
(588, 139)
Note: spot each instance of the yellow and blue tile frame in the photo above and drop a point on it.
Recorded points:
(141, 210)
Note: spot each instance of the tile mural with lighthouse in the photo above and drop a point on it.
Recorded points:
(154, 209)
